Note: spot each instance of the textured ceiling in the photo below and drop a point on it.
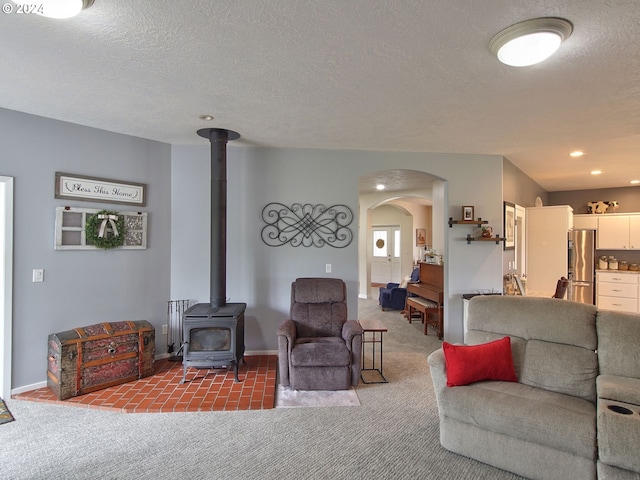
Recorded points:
(391, 75)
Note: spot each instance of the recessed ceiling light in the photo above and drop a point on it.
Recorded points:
(57, 8)
(208, 118)
(576, 153)
(380, 187)
(634, 182)
(530, 42)
(596, 172)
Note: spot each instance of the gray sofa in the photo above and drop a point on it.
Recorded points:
(568, 416)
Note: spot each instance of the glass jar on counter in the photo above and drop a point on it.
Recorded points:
(623, 265)
(613, 263)
(603, 262)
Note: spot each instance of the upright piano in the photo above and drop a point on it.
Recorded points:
(430, 288)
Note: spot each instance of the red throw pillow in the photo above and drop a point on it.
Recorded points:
(473, 363)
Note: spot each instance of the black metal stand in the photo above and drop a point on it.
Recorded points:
(373, 341)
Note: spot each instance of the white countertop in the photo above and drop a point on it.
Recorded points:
(617, 271)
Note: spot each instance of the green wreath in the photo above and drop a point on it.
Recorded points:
(100, 232)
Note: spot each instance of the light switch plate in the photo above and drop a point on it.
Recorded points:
(38, 275)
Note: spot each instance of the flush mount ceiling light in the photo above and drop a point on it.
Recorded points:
(576, 154)
(380, 187)
(56, 8)
(530, 42)
(207, 118)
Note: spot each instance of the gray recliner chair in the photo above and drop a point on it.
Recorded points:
(318, 348)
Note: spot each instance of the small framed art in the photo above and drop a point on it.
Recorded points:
(467, 213)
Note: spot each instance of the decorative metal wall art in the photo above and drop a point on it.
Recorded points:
(307, 225)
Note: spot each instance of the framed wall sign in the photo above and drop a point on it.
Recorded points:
(421, 237)
(103, 190)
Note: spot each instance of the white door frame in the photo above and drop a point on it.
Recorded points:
(6, 283)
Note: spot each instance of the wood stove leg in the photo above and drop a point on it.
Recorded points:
(185, 348)
(235, 371)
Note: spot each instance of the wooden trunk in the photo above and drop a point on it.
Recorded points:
(90, 358)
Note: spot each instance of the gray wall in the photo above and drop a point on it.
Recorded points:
(261, 275)
(627, 197)
(519, 189)
(86, 287)
(81, 287)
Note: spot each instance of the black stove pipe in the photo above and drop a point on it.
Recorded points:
(218, 258)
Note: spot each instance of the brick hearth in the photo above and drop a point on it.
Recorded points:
(204, 390)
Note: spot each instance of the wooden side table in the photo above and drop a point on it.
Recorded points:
(376, 329)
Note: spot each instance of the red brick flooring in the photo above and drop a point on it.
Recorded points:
(204, 390)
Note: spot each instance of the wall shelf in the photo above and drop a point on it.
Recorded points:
(479, 222)
(496, 239)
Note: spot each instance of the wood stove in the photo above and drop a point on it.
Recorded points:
(213, 337)
(214, 332)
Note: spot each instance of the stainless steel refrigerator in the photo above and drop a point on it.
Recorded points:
(582, 258)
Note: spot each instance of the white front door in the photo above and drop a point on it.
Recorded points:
(385, 261)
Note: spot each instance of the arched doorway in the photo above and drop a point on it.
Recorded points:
(418, 199)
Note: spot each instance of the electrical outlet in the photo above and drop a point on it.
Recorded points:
(327, 268)
(165, 329)
(38, 275)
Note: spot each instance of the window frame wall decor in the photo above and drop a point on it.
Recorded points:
(306, 225)
(70, 229)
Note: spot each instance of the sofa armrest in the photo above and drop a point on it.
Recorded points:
(286, 338)
(287, 329)
(350, 329)
(621, 389)
(399, 292)
(438, 370)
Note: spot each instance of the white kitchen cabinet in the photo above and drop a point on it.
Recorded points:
(634, 232)
(617, 291)
(618, 232)
(585, 221)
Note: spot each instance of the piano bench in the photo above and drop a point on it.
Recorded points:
(424, 307)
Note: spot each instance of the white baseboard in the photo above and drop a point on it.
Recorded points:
(28, 388)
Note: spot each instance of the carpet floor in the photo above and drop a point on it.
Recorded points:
(393, 434)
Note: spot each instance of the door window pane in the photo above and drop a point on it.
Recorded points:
(379, 243)
(396, 243)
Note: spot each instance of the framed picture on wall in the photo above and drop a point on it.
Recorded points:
(421, 237)
(509, 226)
(467, 213)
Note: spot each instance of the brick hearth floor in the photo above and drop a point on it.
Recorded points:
(204, 390)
